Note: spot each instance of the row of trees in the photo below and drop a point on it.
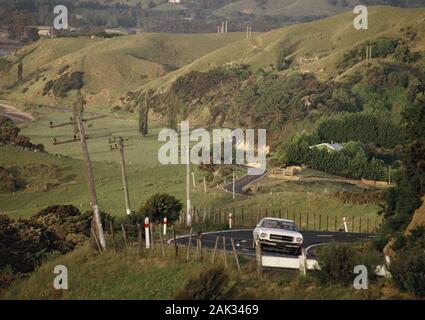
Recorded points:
(367, 128)
(351, 162)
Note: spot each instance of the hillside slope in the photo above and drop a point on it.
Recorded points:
(288, 7)
(316, 46)
(111, 66)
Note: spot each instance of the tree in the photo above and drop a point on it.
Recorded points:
(20, 71)
(159, 206)
(173, 102)
(144, 102)
(402, 53)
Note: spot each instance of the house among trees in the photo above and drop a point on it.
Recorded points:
(328, 146)
(174, 1)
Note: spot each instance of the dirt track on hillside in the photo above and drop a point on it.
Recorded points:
(18, 116)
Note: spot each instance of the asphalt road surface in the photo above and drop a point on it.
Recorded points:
(243, 241)
(243, 182)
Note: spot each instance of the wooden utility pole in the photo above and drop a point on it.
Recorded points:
(233, 186)
(91, 185)
(188, 200)
(124, 176)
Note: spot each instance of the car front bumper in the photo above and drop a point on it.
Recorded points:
(281, 245)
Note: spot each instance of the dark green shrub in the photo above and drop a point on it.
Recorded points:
(408, 271)
(159, 206)
(212, 284)
(8, 182)
(64, 84)
(336, 264)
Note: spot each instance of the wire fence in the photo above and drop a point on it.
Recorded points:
(231, 218)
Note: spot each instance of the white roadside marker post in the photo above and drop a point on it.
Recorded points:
(147, 237)
(165, 221)
(230, 220)
(345, 224)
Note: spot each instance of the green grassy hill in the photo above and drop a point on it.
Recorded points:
(317, 45)
(288, 7)
(129, 276)
(115, 66)
(111, 67)
(58, 177)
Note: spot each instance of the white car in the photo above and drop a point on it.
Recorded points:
(280, 234)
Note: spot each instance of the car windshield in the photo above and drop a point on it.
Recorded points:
(276, 224)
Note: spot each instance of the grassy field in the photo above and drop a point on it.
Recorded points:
(327, 39)
(115, 66)
(112, 67)
(287, 7)
(58, 177)
(129, 276)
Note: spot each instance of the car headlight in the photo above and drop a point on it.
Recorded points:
(299, 240)
(263, 235)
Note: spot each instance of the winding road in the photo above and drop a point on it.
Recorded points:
(242, 183)
(243, 241)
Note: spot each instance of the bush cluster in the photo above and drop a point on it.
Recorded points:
(25, 243)
(65, 83)
(337, 262)
(10, 134)
(212, 284)
(408, 268)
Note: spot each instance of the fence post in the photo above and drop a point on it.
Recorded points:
(124, 235)
(280, 214)
(243, 218)
(303, 263)
(250, 219)
(152, 235)
(234, 216)
(314, 221)
(327, 222)
(320, 222)
(301, 221)
(199, 245)
(176, 248)
(360, 225)
(367, 226)
(336, 227)
(258, 257)
(111, 228)
(352, 226)
(224, 252)
(307, 222)
(189, 245)
(162, 243)
(235, 254)
(139, 239)
(215, 249)
(97, 241)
